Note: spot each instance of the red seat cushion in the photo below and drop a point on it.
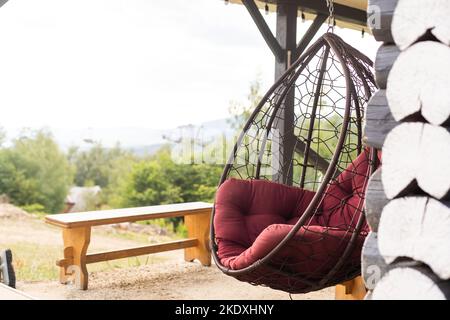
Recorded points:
(244, 208)
(253, 216)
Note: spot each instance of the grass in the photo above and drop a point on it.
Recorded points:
(124, 235)
(34, 262)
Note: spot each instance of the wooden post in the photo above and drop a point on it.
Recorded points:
(286, 35)
(73, 266)
(351, 290)
(198, 227)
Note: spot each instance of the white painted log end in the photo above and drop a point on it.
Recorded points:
(418, 83)
(412, 19)
(417, 228)
(416, 156)
(411, 284)
(433, 171)
(400, 156)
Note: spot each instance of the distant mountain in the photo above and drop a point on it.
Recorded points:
(142, 151)
(141, 141)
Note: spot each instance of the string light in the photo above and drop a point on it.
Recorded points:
(226, 2)
(266, 8)
(303, 17)
(362, 32)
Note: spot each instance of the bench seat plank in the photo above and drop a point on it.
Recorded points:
(102, 217)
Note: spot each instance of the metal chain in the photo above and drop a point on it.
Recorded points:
(331, 19)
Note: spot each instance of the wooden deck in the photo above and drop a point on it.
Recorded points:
(7, 293)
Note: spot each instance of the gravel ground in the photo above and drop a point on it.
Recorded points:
(167, 277)
(174, 279)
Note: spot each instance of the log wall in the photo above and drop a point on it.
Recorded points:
(407, 253)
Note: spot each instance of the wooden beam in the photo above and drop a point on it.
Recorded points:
(139, 251)
(2, 2)
(341, 12)
(311, 8)
(264, 29)
(314, 158)
(418, 20)
(309, 35)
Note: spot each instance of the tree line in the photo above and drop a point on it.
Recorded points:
(36, 173)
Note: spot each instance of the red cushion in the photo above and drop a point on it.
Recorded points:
(253, 216)
(344, 198)
(244, 208)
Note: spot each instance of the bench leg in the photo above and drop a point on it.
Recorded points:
(73, 266)
(351, 290)
(198, 227)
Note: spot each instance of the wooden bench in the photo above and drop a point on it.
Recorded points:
(76, 229)
(354, 289)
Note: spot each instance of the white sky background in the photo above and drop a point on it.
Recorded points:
(131, 63)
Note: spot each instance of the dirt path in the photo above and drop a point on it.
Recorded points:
(167, 276)
(168, 280)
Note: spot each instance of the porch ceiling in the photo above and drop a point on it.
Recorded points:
(349, 13)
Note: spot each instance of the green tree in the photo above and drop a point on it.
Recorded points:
(119, 175)
(35, 171)
(159, 180)
(241, 111)
(94, 166)
(2, 136)
(148, 185)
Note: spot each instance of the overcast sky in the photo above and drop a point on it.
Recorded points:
(142, 63)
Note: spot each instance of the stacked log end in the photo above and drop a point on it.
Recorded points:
(406, 255)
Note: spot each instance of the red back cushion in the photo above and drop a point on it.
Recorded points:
(247, 207)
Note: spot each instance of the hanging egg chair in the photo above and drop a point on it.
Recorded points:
(288, 212)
